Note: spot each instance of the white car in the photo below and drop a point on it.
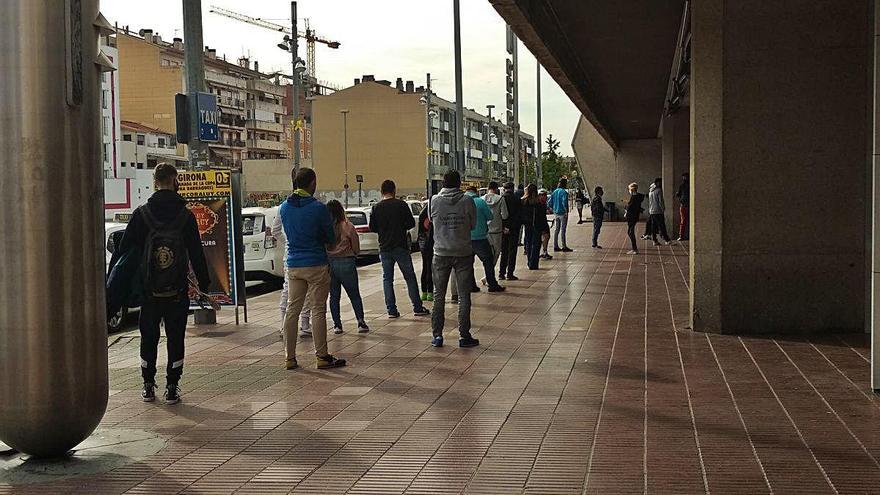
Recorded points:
(263, 256)
(360, 218)
(415, 205)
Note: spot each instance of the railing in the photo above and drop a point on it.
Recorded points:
(264, 125)
(266, 144)
(226, 79)
(267, 87)
(265, 106)
(229, 101)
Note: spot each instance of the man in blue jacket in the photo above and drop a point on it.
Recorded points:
(480, 240)
(559, 204)
(309, 228)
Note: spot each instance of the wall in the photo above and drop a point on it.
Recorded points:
(676, 147)
(146, 89)
(386, 138)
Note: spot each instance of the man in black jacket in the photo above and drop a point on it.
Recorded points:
(510, 233)
(632, 213)
(597, 209)
(165, 211)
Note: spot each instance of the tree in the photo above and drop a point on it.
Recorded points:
(554, 166)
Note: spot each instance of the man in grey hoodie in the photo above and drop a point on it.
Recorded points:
(656, 209)
(453, 215)
(499, 214)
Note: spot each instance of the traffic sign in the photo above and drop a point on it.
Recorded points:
(209, 117)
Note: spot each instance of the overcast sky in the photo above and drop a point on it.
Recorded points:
(386, 38)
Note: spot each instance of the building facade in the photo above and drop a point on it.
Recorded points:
(384, 135)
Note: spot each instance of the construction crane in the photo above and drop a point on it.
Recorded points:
(309, 35)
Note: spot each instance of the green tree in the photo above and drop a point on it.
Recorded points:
(554, 166)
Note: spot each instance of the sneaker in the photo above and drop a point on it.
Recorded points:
(501, 276)
(656, 243)
(512, 277)
(305, 328)
(362, 327)
(337, 330)
(567, 250)
(430, 297)
(393, 315)
(644, 237)
(475, 289)
(468, 342)
(597, 246)
(557, 250)
(483, 281)
(497, 288)
(149, 393)
(631, 251)
(666, 243)
(424, 296)
(290, 364)
(421, 312)
(172, 394)
(328, 362)
(548, 257)
(437, 341)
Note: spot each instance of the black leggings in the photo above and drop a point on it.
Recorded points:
(631, 232)
(427, 278)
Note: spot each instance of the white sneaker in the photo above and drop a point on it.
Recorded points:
(483, 280)
(632, 252)
(644, 237)
(337, 330)
(305, 328)
(667, 243)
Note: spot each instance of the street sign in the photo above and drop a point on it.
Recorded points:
(359, 178)
(209, 117)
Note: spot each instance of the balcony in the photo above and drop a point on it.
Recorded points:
(266, 144)
(477, 154)
(494, 157)
(493, 139)
(446, 126)
(436, 146)
(225, 79)
(446, 148)
(266, 106)
(267, 87)
(229, 143)
(228, 101)
(476, 135)
(232, 121)
(435, 123)
(263, 125)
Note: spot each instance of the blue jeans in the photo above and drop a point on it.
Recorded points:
(533, 246)
(462, 269)
(343, 273)
(483, 250)
(597, 227)
(561, 226)
(402, 258)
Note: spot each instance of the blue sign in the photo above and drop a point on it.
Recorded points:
(209, 117)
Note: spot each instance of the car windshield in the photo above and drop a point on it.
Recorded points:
(356, 218)
(252, 224)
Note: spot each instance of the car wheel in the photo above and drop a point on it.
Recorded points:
(116, 321)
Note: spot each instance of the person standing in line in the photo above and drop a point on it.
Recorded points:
(426, 247)
(533, 210)
(309, 229)
(498, 206)
(392, 219)
(305, 321)
(631, 213)
(520, 236)
(480, 240)
(165, 231)
(579, 201)
(510, 227)
(597, 209)
(343, 269)
(453, 215)
(559, 204)
(684, 199)
(545, 225)
(656, 210)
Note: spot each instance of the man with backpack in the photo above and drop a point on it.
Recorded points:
(559, 204)
(165, 231)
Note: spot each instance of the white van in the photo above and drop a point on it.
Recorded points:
(263, 256)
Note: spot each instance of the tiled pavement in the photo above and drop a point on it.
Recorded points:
(587, 381)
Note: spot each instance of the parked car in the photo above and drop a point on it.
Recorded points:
(415, 205)
(263, 255)
(360, 218)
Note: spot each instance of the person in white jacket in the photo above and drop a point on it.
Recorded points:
(305, 320)
(656, 210)
(499, 214)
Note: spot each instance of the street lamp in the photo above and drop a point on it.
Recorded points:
(289, 44)
(344, 113)
(488, 157)
(429, 151)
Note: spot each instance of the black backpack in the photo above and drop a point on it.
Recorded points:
(166, 260)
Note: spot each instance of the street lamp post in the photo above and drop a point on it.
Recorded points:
(345, 150)
(459, 103)
(429, 152)
(489, 135)
(539, 169)
(294, 55)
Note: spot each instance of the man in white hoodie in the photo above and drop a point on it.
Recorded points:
(499, 214)
(656, 209)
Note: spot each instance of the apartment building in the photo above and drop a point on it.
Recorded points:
(385, 135)
(252, 111)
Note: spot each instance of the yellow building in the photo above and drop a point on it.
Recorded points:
(387, 138)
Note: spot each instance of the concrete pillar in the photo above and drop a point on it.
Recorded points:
(676, 150)
(874, 217)
(780, 96)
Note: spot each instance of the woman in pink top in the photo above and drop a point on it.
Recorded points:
(343, 270)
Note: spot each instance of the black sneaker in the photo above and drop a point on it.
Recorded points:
(172, 394)
(394, 315)
(149, 393)
(496, 288)
(468, 342)
(437, 341)
(422, 312)
(475, 289)
(329, 361)
(501, 276)
(512, 277)
(556, 250)
(362, 327)
(567, 250)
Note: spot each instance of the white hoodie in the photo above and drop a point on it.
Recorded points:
(499, 211)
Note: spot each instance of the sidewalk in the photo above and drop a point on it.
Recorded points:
(587, 380)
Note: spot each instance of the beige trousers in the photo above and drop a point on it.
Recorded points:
(314, 282)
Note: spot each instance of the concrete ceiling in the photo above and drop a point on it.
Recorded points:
(612, 57)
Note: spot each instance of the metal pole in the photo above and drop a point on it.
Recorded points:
(516, 142)
(539, 169)
(345, 151)
(194, 65)
(429, 152)
(489, 144)
(459, 101)
(294, 55)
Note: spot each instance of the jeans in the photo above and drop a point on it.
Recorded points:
(174, 311)
(427, 279)
(495, 241)
(561, 226)
(464, 273)
(483, 250)
(304, 316)
(683, 222)
(658, 223)
(402, 258)
(508, 251)
(649, 226)
(631, 232)
(312, 283)
(343, 273)
(533, 246)
(597, 227)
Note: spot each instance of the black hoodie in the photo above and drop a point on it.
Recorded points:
(165, 206)
(514, 211)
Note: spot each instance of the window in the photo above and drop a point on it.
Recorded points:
(105, 99)
(161, 142)
(126, 137)
(106, 126)
(140, 166)
(151, 163)
(123, 164)
(252, 224)
(106, 153)
(141, 139)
